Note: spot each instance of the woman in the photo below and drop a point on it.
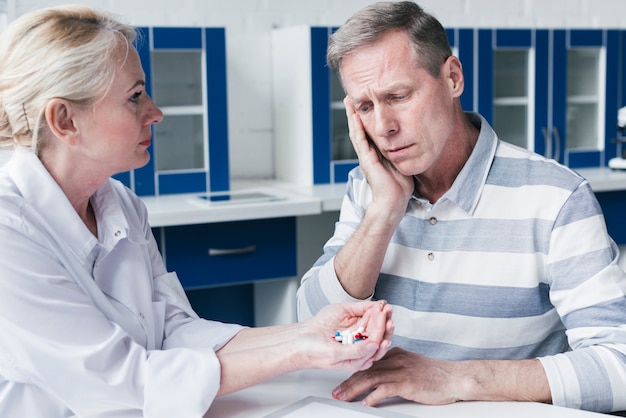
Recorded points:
(92, 323)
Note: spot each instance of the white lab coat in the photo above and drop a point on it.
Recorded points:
(94, 327)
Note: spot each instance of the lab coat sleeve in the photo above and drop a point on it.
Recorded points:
(588, 289)
(56, 339)
(320, 286)
(183, 327)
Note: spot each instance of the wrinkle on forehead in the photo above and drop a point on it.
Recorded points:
(371, 68)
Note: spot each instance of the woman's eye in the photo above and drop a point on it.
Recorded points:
(135, 97)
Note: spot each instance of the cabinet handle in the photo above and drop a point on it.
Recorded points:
(231, 251)
(557, 144)
(548, 141)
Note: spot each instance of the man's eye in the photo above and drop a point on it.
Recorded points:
(364, 108)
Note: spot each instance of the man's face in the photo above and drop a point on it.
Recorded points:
(406, 112)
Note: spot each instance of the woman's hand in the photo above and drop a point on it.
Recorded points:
(324, 352)
(257, 354)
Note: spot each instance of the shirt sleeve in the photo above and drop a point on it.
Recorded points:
(588, 289)
(320, 286)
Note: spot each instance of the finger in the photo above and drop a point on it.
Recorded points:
(390, 328)
(375, 321)
(358, 137)
(383, 348)
(355, 385)
(356, 131)
(365, 309)
(380, 393)
(350, 116)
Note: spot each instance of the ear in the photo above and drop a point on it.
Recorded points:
(453, 71)
(60, 115)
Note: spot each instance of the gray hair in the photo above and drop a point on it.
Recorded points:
(59, 52)
(366, 26)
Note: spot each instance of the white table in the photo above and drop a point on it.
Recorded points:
(263, 399)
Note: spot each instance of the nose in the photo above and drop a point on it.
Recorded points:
(154, 114)
(386, 123)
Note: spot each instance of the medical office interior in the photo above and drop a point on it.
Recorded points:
(248, 168)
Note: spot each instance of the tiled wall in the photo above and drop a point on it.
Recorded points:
(249, 23)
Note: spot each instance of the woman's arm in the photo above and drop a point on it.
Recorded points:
(258, 354)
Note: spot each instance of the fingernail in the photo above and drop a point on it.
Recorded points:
(338, 393)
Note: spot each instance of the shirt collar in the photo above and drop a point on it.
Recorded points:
(468, 185)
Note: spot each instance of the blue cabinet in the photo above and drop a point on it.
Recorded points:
(186, 77)
(585, 76)
(552, 91)
(506, 93)
(218, 263)
(612, 203)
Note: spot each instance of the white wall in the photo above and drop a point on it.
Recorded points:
(249, 22)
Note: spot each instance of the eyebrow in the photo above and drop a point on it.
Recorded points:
(141, 83)
(387, 90)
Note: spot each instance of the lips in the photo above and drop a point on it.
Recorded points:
(398, 150)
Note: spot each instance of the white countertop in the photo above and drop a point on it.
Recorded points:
(604, 179)
(294, 200)
(187, 209)
(266, 398)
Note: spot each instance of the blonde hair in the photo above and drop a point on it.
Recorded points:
(59, 52)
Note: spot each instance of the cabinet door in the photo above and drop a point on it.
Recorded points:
(506, 94)
(585, 85)
(186, 77)
(462, 44)
(333, 154)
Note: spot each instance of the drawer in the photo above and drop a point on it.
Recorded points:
(231, 252)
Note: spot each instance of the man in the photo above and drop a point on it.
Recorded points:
(503, 279)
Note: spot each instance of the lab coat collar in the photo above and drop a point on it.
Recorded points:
(43, 196)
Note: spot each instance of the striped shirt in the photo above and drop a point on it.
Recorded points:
(514, 261)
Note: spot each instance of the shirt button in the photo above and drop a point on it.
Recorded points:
(118, 233)
(141, 315)
(431, 256)
(432, 220)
